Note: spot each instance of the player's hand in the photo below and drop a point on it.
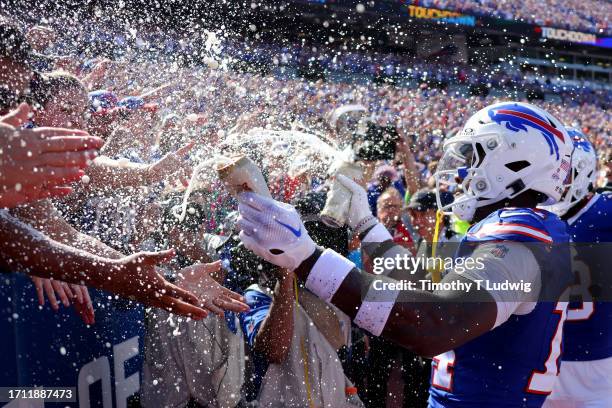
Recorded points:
(136, 277)
(199, 280)
(359, 207)
(273, 231)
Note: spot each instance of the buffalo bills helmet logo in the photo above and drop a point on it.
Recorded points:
(518, 117)
(579, 140)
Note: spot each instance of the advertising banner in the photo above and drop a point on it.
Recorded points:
(574, 37)
(43, 348)
(446, 16)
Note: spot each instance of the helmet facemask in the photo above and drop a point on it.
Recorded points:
(460, 171)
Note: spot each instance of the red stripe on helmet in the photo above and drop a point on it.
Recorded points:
(532, 118)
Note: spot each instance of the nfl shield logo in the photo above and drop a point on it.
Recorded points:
(499, 251)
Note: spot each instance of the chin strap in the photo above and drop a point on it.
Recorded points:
(436, 271)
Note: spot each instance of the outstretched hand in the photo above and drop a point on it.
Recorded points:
(214, 297)
(137, 278)
(39, 163)
(273, 231)
(172, 164)
(68, 294)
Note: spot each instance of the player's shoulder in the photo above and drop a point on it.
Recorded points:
(594, 221)
(601, 204)
(518, 224)
(598, 206)
(604, 199)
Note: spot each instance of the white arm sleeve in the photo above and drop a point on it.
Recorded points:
(507, 262)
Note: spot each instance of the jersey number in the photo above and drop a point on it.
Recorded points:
(585, 307)
(442, 371)
(541, 382)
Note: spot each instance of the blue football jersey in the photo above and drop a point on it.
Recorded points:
(517, 363)
(588, 330)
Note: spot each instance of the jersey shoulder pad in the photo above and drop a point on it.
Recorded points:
(514, 224)
(593, 223)
(604, 207)
(606, 198)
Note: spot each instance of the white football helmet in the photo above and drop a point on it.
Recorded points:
(503, 150)
(583, 174)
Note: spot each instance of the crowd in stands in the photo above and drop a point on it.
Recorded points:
(153, 44)
(445, 70)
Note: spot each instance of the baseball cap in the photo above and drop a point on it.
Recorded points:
(425, 199)
(137, 103)
(105, 103)
(102, 100)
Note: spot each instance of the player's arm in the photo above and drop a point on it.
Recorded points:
(428, 323)
(448, 319)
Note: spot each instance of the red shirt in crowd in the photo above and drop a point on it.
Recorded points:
(402, 236)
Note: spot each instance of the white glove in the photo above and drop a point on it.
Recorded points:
(273, 231)
(359, 208)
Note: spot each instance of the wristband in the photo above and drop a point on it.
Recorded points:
(378, 233)
(375, 310)
(327, 274)
(364, 224)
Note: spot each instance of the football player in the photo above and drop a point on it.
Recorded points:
(489, 347)
(585, 380)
